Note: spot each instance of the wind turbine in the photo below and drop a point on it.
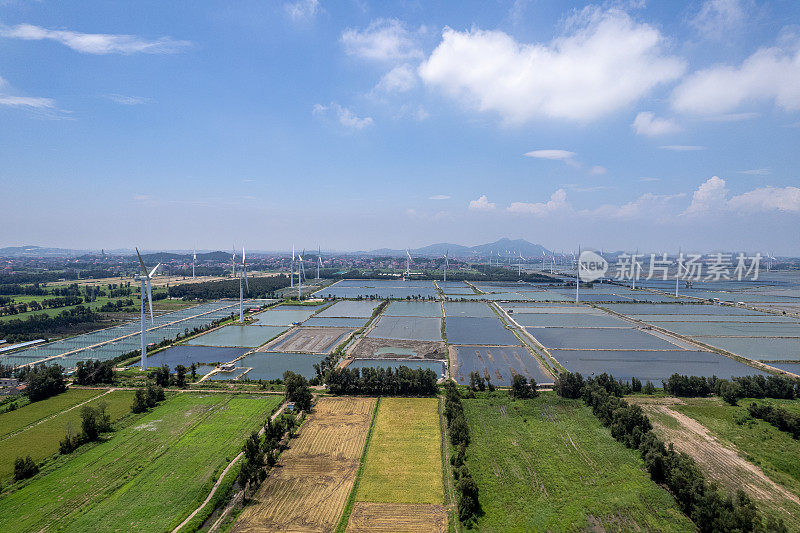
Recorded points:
(446, 263)
(291, 270)
(319, 260)
(242, 278)
(194, 258)
(233, 263)
(300, 271)
(145, 278)
(408, 263)
(543, 256)
(679, 261)
(519, 265)
(578, 277)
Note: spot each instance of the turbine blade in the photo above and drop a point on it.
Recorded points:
(144, 269)
(150, 300)
(150, 275)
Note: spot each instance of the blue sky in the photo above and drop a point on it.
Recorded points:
(358, 125)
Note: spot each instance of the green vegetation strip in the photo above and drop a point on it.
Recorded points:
(148, 476)
(548, 464)
(403, 464)
(351, 499)
(41, 441)
(14, 421)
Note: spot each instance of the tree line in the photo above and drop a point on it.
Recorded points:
(757, 386)
(458, 430)
(261, 287)
(40, 325)
(701, 501)
(778, 417)
(382, 381)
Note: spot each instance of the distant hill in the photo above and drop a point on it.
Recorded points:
(504, 247)
(36, 251)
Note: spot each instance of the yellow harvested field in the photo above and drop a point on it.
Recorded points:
(397, 518)
(308, 488)
(403, 462)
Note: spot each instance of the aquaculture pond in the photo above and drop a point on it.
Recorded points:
(283, 317)
(497, 363)
(238, 335)
(335, 322)
(186, 355)
(409, 328)
(651, 365)
(473, 309)
(424, 309)
(599, 338)
(358, 309)
(764, 349)
(570, 320)
(471, 330)
(266, 366)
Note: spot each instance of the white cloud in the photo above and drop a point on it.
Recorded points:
(683, 147)
(646, 205)
(127, 100)
(482, 204)
(731, 117)
(96, 43)
(383, 40)
(756, 172)
(29, 102)
(712, 198)
(768, 74)
(607, 62)
(558, 155)
(646, 123)
(302, 9)
(343, 115)
(399, 79)
(440, 197)
(557, 202)
(598, 170)
(648, 178)
(717, 18)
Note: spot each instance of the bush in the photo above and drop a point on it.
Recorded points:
(569, 385)
(521, 389)
(144, 399)
(297, 390)
(91, 372)
(730, 391)
(24, 468)
(44, 382)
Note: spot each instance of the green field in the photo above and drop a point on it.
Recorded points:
(547, 464)
(15, 420)
(403, 462)
(148, 476)
(775, 451)
(41, 441)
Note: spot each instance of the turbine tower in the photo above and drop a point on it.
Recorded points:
(145, 278)
(291, 270)
(300, 271)
(194, 259)
(408, 263)
(519, 265)
(242, 279)
(233, 263)
(446, 263)
(319, 260)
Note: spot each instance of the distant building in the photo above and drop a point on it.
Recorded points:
(289, 407)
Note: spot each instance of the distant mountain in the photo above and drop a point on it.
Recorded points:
(504, 247)
(37, 251)
(166, 257)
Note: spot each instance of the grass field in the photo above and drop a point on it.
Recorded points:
(40, 441)
(726, 442)
(148, 476)
(15, 420)
(403, 463)
(308, 488)
(547, 464)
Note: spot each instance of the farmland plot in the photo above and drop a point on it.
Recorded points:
(548, 464)
(308, 488)
(148, 476)
(401, 485)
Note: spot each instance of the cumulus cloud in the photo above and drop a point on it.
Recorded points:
(383, 40)
(646, 205)
(302, 9)
(345, 117)
(769, 74)
(96, 43)
(712, 197)
(557, 202)
(717, 18)
(558, 155)
(605, 62)
(482, 204)
(646, 123)
(400, 79)
(598, 170)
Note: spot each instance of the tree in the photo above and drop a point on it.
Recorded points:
(161, 376)
(521, 389)
(467, 497)
(730, 391)
(648, 388)
(297, 390)
(569, 385)
(180, 376)
(194, 371)
(24, 468)
(44, 382)
(139, 401)
(636, 384)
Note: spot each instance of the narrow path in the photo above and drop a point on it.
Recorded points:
(26, 428)
(222, 476)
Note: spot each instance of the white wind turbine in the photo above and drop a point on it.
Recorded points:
(446, 263)
(519, 265)
(291, 270)
(145, 278)
(242, 283)
(679, 261)
(300, 271)
(319, 260)
(233, 263)
(194, 259)
(408, 263)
